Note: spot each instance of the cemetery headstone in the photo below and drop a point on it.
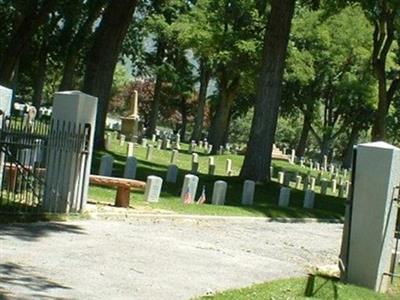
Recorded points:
(144, 143)
(122, 140)
(174, 157)
(106, 165)
(130, 168)
(189, 188)
(334, 186)
(248, 192)
(284, 197)
(219, 192)
(149, 153)
(309, 198)
(130, 147)
(298, 182)
(211, 165)
(312, 184)
(281, 177)
(228, 166)
(153, 189)
(172, 174)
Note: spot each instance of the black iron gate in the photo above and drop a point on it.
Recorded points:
(30, 150)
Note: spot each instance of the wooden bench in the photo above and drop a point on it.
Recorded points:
(123, 187)
(329, 273)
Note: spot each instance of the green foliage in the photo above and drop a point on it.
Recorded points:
(325, 77)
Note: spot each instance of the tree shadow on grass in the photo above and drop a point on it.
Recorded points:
(34, 231)
(17, 277)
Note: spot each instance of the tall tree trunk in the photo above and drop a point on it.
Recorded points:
(383, 36)
(325, 145)
(103, 57)
(71, 60)
(184, 118)
(302, 145)
(201, 101)
(40, 75)
(379, 123)
(221, 120)
(70, 64)
(258, 157)
(155, 105)
(22, 34)
(348, 152)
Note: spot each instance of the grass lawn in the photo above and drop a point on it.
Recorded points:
(289, 289)
(266, 195)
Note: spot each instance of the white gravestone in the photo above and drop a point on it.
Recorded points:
(228, 166)
(189, 187)
(130, 168)
(292, 156)
(211, 165)
(325, 164)
(219, 192)
(309, 197)
(248, 192)
(312, 183)
(172, 174)
(334, 186)
(174, 157)
(122, 140)
(149, 153)
(144, 143)
(298, 182)
(153, 189)
(281, 177)
(130, 147)
(373, 217)
(106, 165)
(284, 197)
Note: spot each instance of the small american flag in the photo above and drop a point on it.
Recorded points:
(202, 198)
(187, 199)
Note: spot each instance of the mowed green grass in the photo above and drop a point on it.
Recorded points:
(290, 289)
(266, 194)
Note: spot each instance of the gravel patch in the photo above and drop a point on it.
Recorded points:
(156, 258)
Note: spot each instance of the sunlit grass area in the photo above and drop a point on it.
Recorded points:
(266, 194)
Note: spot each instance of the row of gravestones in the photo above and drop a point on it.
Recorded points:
(189, 189)
(172, 141)
(337, 184)
(107, 162)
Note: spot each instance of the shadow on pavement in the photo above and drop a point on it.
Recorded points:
(33, 231)
(16, 277)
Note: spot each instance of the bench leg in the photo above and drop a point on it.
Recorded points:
(310, 285)
(122, 197)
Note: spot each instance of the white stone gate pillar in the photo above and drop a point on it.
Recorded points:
(372, 215)
(5, 109)
(78, 109)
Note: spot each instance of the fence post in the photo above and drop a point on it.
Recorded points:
(77, 109)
